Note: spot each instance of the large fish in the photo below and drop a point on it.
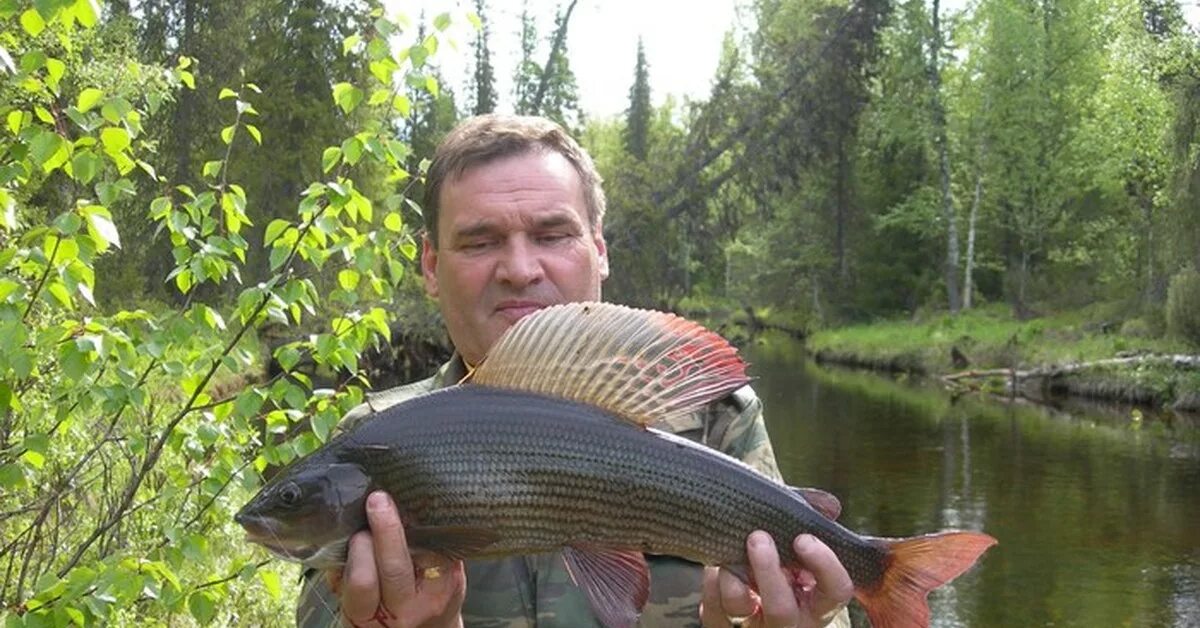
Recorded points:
(547, 448)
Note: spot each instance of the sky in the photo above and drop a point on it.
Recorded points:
(682, 39)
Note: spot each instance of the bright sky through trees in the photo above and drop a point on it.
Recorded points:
(682, 39)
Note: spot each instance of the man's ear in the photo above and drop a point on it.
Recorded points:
(601, 250)
(429, 261)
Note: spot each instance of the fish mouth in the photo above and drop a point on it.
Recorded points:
(264, 531)
(299, 554)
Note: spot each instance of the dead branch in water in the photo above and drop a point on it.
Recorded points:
(1056, 370)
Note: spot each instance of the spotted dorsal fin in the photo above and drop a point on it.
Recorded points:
(641, 365)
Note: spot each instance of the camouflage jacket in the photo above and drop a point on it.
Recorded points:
(523, 592)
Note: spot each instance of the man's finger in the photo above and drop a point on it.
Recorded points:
(775, 593)
(397, 583)
(833, 585)
(360, 581)
(712, 611)
(736, 597)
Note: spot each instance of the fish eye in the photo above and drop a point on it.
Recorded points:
(289, 493)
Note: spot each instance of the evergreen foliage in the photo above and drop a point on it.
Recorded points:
(483, 80)
(637, 117)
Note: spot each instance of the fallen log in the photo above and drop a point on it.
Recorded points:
(1055, 370)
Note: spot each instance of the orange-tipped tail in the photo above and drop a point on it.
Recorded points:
(916, 566)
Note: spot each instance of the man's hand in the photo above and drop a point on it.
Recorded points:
(825, 586)
(382, 585)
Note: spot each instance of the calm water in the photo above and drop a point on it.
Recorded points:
(1098, 517)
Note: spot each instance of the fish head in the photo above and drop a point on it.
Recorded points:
(307, 513)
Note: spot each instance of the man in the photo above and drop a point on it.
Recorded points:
(513, 217)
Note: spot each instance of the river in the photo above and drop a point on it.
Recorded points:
(1097, 514)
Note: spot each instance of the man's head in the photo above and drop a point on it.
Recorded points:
(513, 214)
(490, 137)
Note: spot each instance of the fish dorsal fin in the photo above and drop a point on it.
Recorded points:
(821, 501)
(641, 365)
(616, 582)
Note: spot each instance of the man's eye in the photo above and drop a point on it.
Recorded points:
(476, 245)
(551, 238)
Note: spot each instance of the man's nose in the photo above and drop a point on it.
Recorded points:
(521, 265)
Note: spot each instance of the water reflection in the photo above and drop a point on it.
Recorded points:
(1098, 518)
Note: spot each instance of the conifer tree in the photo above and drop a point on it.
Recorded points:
(528, 72)
(484, 79)
(637, 123)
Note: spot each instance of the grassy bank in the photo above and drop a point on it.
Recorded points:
(990, 338)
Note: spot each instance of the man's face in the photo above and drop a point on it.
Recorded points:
(513, 237)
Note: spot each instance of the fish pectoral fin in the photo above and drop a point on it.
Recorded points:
(615, 581)
(455, 542)
(823, 502)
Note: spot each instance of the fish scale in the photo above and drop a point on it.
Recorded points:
(546, 449)
(546, 472)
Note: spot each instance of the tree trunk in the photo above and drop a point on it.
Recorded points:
(842, 211)
(940, 143)
(560, 36)
(968, 287)
(187, 99)
(1149, 292)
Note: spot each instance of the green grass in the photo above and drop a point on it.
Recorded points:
(989, 337)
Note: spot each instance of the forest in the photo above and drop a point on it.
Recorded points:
(209, 214)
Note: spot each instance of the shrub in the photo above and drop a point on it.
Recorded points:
(1183, 306)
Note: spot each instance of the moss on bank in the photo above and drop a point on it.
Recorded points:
(989, 338)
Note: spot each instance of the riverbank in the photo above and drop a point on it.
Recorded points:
(986, 350)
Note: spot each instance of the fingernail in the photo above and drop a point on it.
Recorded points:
(377, 501)
(758, 538)
(802, 542)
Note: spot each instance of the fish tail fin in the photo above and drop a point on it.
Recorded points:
(912, 568)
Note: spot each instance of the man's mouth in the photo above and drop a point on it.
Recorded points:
(515, 310)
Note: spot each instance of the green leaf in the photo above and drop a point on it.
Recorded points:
(393, 222)
(347, 96)
(88, 99)
(442, 21)
(330, 158)
(87, 12)
(188, 79)
(35, 459)
(254, 133)
(352, 150)
(272, 582)
(202, 606)
(287, 357)
(45, 148)
(227, 133)
(212, 168)
(115, 139)
(11, 476)
(349, 43)
(348, 278)
(279, 255)
(274, 229)
(54, 72)
(226, 93)
(7, 288)
(101, 228)
(85, 166)
(16, 121)
(32, 22)
(402, 105)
